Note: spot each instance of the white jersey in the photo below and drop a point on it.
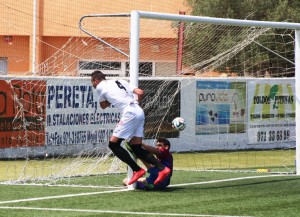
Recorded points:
(118, 93)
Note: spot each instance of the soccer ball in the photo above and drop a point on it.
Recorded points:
(179, 123)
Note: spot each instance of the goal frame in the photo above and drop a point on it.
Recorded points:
(134, 48)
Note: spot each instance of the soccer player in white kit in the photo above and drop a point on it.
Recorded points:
(120, 94)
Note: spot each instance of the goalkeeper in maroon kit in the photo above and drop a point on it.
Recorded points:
(163, 154)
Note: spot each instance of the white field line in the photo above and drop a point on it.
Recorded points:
(61, 196)
(65, 185)
(225, 180)
(114, 191)
(114, 212)
(122, 190)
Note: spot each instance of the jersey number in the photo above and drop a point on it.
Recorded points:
(121, 86)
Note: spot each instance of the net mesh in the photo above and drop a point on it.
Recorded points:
(52, 127)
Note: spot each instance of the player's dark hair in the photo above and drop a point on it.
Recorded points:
(98, 75)
(164, 141)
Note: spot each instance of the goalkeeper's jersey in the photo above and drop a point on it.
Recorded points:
(119, 93)
(166, 158)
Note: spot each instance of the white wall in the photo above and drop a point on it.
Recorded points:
(187, 141)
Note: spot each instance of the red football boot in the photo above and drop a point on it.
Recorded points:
(136, 175)
(162, 175)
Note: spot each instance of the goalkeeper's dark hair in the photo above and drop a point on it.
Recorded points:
(98, 75)
(164, 141)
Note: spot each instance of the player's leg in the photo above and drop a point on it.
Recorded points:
(154, 173)
(143, 154)
(147, 157)
(136, 174)
(125, 129)
(126, 180)
(121, 153)
(137, 124)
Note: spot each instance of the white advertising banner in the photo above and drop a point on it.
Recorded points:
(271, 109)
(74, 116)
(220, 107)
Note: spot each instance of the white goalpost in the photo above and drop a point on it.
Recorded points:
(297, 84)
(134, 48)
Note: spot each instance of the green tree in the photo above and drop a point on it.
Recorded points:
(262, 10)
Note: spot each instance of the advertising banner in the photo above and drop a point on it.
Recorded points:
(22, 113)
(161, 104)
(220, 107)
(271, 111)
(74, 115)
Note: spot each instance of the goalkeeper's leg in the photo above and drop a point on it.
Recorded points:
(146, 156)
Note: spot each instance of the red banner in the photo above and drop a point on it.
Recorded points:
(22, 113)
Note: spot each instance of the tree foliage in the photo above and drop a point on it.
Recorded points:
(262, 10)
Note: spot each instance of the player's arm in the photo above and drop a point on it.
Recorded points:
(104, 104)
(139, 93)
(151, 149)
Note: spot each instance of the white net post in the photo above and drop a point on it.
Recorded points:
(297, 87)
(134, 64)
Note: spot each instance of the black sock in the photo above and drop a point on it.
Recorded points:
(146, 156)
(123, 155)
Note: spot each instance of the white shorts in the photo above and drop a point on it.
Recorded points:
(131, 123)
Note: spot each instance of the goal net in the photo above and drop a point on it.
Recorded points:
(233, 84)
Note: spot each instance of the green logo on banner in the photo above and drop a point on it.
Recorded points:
(272, 102)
